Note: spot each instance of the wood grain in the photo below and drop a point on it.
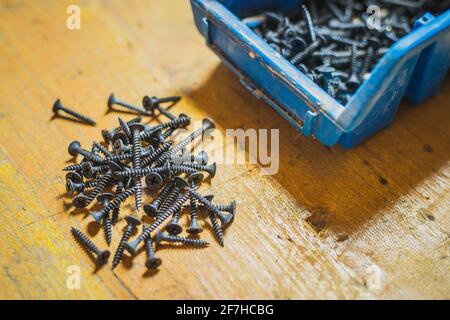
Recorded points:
(320, 228)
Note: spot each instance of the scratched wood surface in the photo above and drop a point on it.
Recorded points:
(372, 222)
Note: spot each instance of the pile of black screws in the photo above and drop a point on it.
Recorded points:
(336, 43)
(113, 171)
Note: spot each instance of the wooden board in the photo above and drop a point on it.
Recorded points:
(372, 222)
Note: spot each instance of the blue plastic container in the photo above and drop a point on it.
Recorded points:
(414, 67)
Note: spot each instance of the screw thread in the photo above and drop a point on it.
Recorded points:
(309, 23)
(138, 193)
(299, 57)
(183, 240)
(125, 128)
(370, 56)
(156, 154)
(179, 122)
(91, 156)
(107, 228)
(163, 217)
(140, 172)
(74, 167)
(182, 168)
(102, 182)
(79, 116)
(354, 59)
(166, 112)
(149, 249)
(217, 229)
(121, 247)
(120, 157)
(102, 149)
(84, 240)
(132, 108)
(163, 195)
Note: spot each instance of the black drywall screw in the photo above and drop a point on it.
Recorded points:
(74, 167)
(152, 262)
(144, 171)
(108, 134)
(132, 222)
(105, 199)
(101, 255)
(194, 226)
(57, 106)
(82, 201)
(90, 171)
(75, 149)
(136, 129)
(112, 100)
(152, 208)
(131, 247)
(174, 227)
(200, 158)
(217, 228)
(210, 168)
(353, 82)
(156, 154)
(102, 149)
(118, 199)
(73, 187)
(152, 103)
(373, 45)
(309, 23)
(206, 125)
(126, 129)
(309, 50)
(226, 219)
(162, 236)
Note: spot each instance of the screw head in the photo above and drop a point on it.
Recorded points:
(106, 134)
(80, 201)
(133, 220)
(194, 228)
(195, 178)
(131, 246)
(102, 257)
(150, 103)
(185, 116)
(97, 216)
(88, 170)
(203, 157)
(69, 186)
(353, 82)
(212, 170)
(74, 148)
(150, 210)
(56, 106)
(174, 228)
(111, 100)
(136, 127)
(153, 263)
(74, 176)
(180, 182)
(153, 181)
(105, 197)
(207, 124)
(159, 236)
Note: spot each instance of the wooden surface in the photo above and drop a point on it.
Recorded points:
(372, 222)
